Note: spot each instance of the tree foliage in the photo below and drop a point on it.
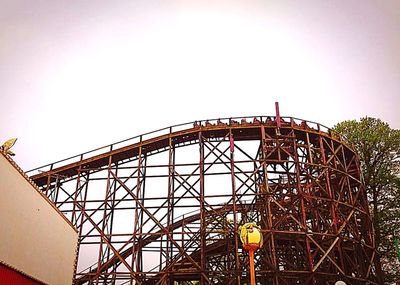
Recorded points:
(379, 149)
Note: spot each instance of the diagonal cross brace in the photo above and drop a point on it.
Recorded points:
(164, 230)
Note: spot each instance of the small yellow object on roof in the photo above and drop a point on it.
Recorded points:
(7, 146)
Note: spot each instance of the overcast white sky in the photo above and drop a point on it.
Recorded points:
(76, 75)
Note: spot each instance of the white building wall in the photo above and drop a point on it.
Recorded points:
(35, 238)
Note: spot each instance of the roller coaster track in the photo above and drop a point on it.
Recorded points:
(319, 210)
(243, 128)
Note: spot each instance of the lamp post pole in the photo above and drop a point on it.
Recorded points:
(252, 272)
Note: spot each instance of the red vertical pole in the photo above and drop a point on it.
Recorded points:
(252, 273)
(278, 116)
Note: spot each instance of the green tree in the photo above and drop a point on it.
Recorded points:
(379, 149)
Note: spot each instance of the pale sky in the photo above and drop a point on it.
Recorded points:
(77, 75)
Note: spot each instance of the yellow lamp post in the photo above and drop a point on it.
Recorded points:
(251, 237)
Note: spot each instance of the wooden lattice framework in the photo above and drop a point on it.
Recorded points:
(165, 207)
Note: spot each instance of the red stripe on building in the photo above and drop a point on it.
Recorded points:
(9, 276)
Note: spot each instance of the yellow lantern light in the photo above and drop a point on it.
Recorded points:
(251, 237)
